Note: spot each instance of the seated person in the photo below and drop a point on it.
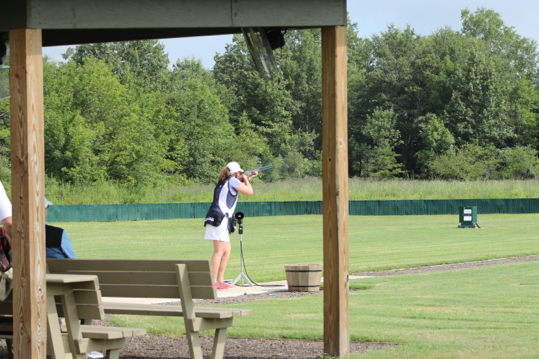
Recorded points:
(57, 241)
(59, 246)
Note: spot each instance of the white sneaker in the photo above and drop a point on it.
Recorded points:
(95, 355)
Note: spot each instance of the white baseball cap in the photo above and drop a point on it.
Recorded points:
(47, 203)
(234, 167)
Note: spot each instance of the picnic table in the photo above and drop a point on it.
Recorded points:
(175, 279)
(75, 298)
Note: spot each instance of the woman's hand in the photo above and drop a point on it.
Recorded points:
(255, 173)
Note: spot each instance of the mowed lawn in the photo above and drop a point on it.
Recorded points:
(483, 312)
(377, 242)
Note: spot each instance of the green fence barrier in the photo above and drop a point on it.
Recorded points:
(132, 212)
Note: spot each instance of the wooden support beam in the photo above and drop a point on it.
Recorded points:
(335, 191)
(28, 193)
(171, 14)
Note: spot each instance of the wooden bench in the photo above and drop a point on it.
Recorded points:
(182, 280)
(76, 298)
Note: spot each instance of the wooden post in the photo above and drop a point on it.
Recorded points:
(28, 186)
(335, 191)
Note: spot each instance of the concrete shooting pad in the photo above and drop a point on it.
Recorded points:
(238, 290)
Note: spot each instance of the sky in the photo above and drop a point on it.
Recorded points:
(372, 17)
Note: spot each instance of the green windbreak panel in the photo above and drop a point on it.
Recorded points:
(124, 212)
(430, 207)
(132, 212)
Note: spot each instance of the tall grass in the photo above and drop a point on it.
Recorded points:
(307, 189)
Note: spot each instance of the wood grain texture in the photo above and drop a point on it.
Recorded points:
(28, 178)
(335, 191)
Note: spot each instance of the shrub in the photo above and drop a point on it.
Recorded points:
(519, 163)
(470, 162)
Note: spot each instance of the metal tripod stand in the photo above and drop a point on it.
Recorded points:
(242, 276)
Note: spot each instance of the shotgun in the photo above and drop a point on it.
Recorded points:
(250, 173)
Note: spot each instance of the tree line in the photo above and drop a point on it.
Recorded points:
(455, 104)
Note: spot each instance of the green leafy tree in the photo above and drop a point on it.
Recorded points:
(69, 139)
(201, 121)
(267, 105)
(384, 137)
(519, 163)
(301, 64)
(96, 127)
(479, 83)
(516, 59)
(435, 138)
(249, 147)
(389, 80)
(143, 62)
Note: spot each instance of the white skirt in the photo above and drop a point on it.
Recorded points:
(218, 233)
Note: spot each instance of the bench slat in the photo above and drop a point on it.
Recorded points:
(85, 285)
(84, 311)
(145, 291)
(207, 311)
(97, 332)
(148, 265)
(88, 297)
(153, 278)
(172, 310)
(91, 312)
(88, 303)
(203, 292)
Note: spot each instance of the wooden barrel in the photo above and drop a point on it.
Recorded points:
(303, 277)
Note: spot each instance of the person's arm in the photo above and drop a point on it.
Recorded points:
(245, 187)
(66, 246)
(6, 222)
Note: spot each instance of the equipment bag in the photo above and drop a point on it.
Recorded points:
(5, 251)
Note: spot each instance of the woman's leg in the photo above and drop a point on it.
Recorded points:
(221, 253)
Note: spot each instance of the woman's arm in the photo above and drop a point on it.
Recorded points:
(245, 188)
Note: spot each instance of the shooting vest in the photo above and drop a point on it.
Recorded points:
(224, 204)
(53, 236)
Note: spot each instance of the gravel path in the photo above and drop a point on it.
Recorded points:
(153, 347)
(150, 346)
(443, 267)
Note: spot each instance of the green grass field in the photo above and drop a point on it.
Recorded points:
(375, 242)
(484, 312)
